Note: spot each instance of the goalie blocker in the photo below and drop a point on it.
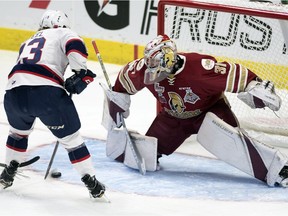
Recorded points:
(117, 147)
(233, 146)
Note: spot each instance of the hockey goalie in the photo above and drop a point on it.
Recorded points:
(190, 88)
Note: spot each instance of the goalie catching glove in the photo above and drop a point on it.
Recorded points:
(261, 94)
(79, 81)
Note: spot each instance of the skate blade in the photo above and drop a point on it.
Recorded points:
(4, 185)
(103, 199)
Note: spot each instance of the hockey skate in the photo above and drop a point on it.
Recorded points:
(96, 188)
(8, 174)
(284, 176)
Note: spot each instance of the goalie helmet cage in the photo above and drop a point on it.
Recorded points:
(241, 31)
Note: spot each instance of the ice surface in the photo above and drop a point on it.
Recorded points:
(190, 183)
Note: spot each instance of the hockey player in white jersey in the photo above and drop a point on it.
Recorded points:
(36, 89)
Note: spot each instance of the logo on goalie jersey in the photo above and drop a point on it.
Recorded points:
(191, 97)
(207, 64)
(175, 102)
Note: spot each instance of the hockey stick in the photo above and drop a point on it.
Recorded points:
(51, 159)
(53, 155)
(136, 154)
(25, 163)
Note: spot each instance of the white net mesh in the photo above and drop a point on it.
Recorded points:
(250, 33)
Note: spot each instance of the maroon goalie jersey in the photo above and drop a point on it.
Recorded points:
(194, 88)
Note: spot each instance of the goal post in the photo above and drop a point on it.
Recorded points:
(254, 34)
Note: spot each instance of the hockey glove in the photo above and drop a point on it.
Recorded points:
(118, 104)
(79, 81)
(115, 112)
(261, 94)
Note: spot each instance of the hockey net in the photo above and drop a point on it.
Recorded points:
(241, 31)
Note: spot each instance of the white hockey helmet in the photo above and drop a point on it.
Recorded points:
(160, 56)
(54, 19)
(46, 20)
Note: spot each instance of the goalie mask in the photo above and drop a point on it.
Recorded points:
(160, 57)
(54, 19)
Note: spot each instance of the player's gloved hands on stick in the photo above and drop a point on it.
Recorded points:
(79, 81)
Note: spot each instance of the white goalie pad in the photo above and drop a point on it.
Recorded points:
(231, 145)
(116, 143)
(262, 90)
(147, 147)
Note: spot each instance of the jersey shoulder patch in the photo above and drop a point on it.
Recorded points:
(207, 64)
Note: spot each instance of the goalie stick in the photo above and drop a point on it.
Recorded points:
(138, 158)
(25, 163)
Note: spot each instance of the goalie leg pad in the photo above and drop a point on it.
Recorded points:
(147, 147)
(117, 145)
(224, 142)
(237, 149)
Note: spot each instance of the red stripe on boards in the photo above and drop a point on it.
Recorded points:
(42, 4)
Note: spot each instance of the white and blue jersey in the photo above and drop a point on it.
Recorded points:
(44, 57)
(36, 83)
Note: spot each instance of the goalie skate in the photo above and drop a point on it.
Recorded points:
(284, 176)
